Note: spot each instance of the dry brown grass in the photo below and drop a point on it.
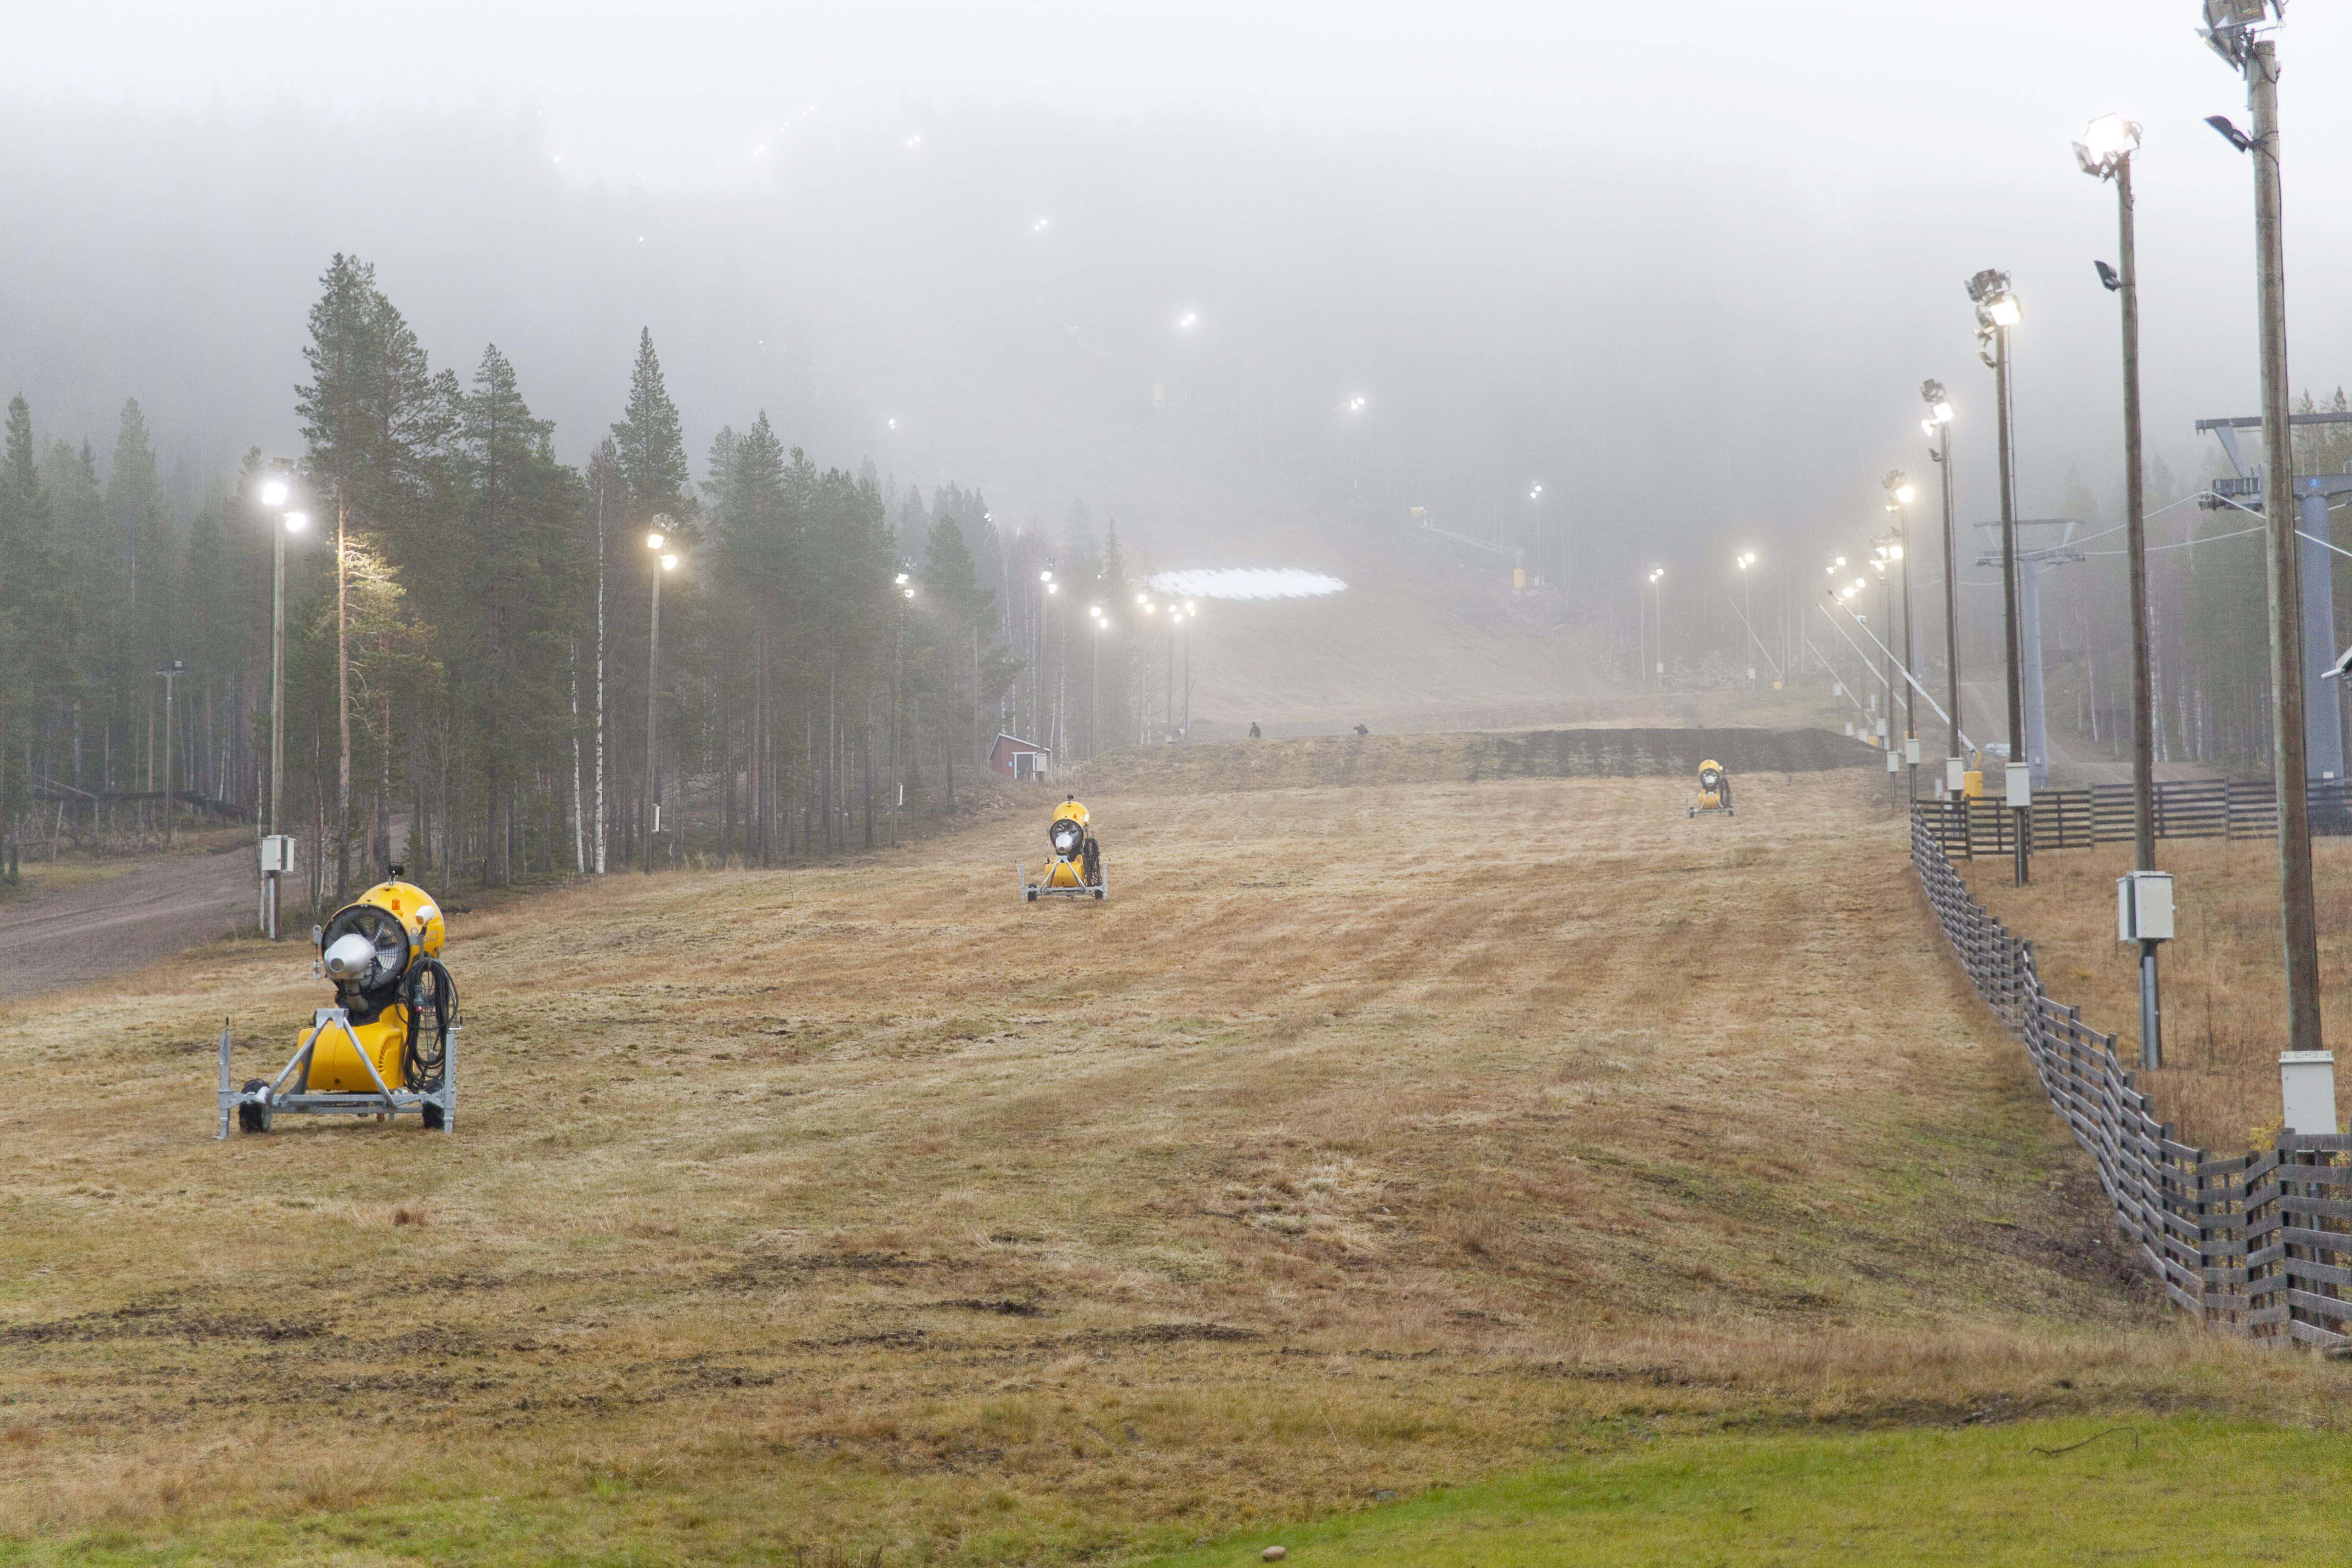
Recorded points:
(2223, 976)
(1369, 1138)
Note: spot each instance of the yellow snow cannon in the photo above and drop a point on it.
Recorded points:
(1076, 869)
(388, 1045)
(1713, 790)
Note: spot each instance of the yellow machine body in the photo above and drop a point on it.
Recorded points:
(335, 1067)
(1071, 811)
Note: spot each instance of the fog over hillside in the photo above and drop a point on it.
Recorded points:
(1689, 274)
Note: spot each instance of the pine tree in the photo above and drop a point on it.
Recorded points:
(523, 502)
(38, 622)
(374, 417)
(649, 440)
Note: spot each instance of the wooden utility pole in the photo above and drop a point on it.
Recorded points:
(2297, 909)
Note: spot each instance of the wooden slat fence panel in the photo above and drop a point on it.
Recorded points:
(2102, 813)
(2256, 1244)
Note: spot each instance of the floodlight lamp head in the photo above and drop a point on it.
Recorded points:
(2229, 132)
(2107, 145)
(900, 579)
(273, 492)
(296, 522)
(2005, 312)
(670, 562)
(2109, 279)
(656, 539)
(2229, 26)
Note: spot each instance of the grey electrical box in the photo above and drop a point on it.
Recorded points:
(1894, 761)
(2019, 783)
(277, 854)
(2144, 906)
(2307, 1091)
(1955, 774)
(1911, 750)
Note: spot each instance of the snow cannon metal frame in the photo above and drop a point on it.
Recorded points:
(1713, 790)
(395, 1017)
(1077, 870)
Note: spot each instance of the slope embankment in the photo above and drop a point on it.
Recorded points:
(1366, 1140)
(1352, 761)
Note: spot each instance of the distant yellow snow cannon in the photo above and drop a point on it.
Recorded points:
(1713, 790)
(389, 1044)
(1076, 869)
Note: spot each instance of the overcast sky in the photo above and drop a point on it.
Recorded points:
(1699, 255)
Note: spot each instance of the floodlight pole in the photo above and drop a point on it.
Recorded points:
(2021, 814)
(1886, 614)
(653, 725)
(1748, 622)
(276, 694)
(170, 674)
(1658, 625)
(2298, 909)
(1943, 455)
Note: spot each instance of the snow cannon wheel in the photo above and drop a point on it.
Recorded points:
(251, 1118)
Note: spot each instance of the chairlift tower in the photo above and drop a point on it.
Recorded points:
(2030, 561)
(2323, 718)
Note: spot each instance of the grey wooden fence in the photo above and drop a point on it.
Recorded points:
(2258, 1244)
(2102, 813)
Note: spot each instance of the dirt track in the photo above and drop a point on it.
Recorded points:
(70, 936)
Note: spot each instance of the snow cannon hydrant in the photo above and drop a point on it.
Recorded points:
(1076, 869)
(1713, 790)
(388, 1044)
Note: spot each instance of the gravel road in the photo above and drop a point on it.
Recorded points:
(155, 907)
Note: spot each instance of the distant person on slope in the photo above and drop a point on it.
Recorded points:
(1254, 734)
